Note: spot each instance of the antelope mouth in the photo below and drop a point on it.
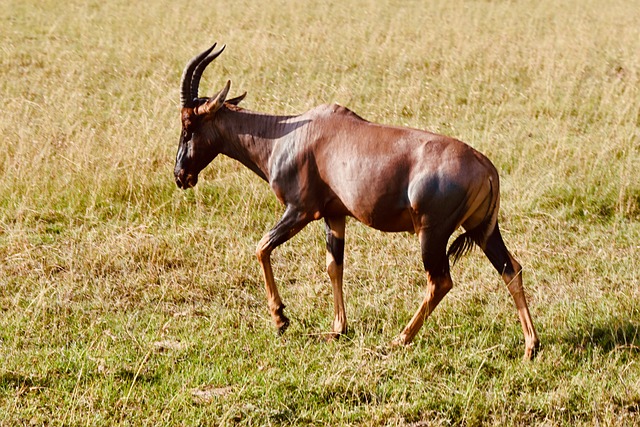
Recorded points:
(192, 180)
(186, 182)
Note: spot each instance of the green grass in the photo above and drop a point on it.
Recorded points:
(126, 301)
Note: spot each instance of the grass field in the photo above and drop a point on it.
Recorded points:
(125, 301)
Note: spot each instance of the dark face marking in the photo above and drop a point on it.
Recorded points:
(182, 166)
(182, 170)
(194, 153)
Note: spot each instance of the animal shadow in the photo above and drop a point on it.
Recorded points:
(609, 335)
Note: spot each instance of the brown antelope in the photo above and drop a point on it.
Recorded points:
(330, 163)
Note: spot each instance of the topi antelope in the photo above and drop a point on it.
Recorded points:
(330, 163)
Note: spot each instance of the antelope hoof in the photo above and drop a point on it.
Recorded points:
(334, 335)
(331, 336)
(530, 351)
(281, 321)
(282, 324)
(337, 328)
(400, 341)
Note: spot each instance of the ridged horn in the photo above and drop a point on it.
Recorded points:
(197, 74)
(186, 91)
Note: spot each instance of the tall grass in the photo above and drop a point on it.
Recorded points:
(126, 301)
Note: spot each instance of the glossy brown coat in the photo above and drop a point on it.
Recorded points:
(330, 163)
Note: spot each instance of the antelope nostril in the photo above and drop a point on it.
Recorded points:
(180, 178)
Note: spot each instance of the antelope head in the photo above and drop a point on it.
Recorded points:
(199, 139)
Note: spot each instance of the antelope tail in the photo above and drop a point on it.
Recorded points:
(463, 244)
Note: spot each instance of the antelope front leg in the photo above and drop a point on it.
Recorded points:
(335, 255)
(276, 307)
(288, 226)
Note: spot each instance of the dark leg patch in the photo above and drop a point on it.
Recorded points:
(335, 245)
(497, 253)
(434, 255)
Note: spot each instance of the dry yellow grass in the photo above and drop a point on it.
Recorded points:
(102, 258)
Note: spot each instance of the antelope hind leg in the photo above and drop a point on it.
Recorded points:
(439, 283)
(437, 288)
(511, 273)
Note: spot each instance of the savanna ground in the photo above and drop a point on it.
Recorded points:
(126, 301)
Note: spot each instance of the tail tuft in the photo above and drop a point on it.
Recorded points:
(462, 245)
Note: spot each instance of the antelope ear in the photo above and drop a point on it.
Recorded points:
(214, 104)
(236, 100)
